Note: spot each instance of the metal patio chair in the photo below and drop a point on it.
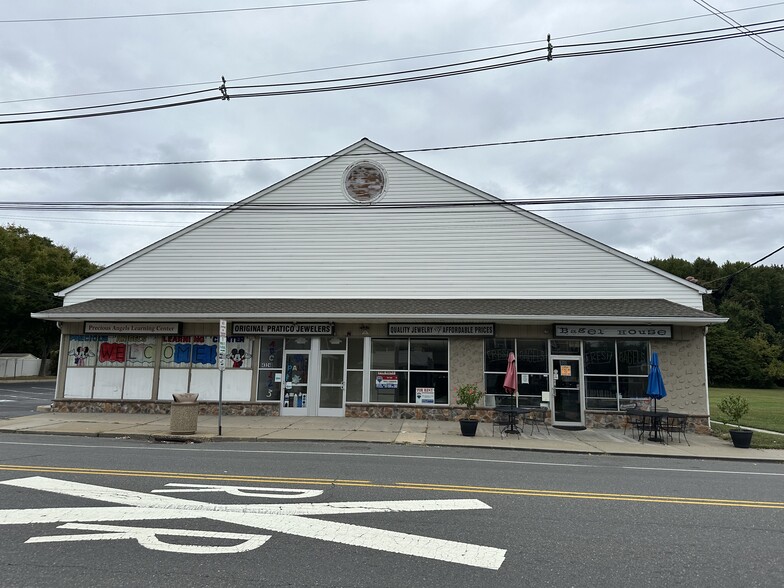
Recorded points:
(675, 423)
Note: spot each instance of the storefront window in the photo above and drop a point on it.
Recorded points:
(110, 367)
(564, 347)
(355, 361)
(409, 371)
(615, 372)
(270, 368)
(532, 373)
(239, 353)
(176, 352)
(633, 358)
(82, 350)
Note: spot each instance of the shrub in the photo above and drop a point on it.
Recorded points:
(468, 395)
(733, 408)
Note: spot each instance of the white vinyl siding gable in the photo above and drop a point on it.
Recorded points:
(371, 251)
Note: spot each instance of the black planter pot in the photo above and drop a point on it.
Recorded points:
(741, 438)
(468, 427)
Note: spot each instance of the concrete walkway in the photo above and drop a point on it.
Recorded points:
(391, 431)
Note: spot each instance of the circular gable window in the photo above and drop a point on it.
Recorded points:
(365, 181)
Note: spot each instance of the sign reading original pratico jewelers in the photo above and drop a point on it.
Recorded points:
(283, 329)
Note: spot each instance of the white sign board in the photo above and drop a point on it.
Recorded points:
(131, 328)
(615, 331)
(440, 330)
(283, 329)
(222, 346)
(425, 395)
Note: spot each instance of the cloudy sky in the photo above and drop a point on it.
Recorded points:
(98, 60)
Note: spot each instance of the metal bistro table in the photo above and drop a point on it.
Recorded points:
(650, 421)
(511, 413)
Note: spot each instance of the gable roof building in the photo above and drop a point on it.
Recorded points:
(369, 284)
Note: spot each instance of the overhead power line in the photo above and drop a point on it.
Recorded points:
(662, 41)
(402, 151)
(260, 206)
(764, 43)
(740, 271)
(183, 13)
(380, 61)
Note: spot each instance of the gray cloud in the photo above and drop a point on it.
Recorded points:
(699, 84)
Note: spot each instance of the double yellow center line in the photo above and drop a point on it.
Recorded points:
(573, 495)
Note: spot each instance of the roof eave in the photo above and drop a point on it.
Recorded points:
(349, 317)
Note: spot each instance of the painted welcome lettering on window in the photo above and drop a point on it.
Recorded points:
(111, 352)
(205, 354)
(182, 353)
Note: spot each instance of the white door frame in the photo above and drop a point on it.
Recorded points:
(331, 412)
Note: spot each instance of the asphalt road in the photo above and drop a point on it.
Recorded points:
(99, 512)
(20, 398)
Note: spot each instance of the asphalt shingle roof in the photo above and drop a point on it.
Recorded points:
(379, 309)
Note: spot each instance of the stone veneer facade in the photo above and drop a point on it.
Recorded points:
(681, 360)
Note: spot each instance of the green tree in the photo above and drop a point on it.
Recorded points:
(32, 268)
(749, 350)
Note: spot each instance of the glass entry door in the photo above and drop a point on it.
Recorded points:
(567, 394)
(295, 383)
(332, 384)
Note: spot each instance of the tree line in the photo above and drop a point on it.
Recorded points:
(747, 351)
(32, 269)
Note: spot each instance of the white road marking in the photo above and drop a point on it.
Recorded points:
(147, 537)
(291, 519)
(242, 491)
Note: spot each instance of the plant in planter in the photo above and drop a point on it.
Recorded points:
(733, 409)
(469, 396)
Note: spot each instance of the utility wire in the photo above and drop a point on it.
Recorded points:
(27, 290)
(416, 78)
(764, 43)
(259, 206)
(740, 271)
(391, 60)
(402, 151)
(111, 105)
(288, 84)
(184, 13)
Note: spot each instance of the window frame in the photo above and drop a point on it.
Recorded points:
(406, 374)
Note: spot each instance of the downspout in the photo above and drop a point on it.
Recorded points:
(705, 361)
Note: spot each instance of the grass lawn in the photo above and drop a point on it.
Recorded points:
(766, 411)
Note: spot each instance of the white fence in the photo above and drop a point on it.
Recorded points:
(15, 367)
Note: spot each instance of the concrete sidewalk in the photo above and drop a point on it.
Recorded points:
(155, 427)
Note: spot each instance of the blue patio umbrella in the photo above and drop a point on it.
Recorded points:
(655, 381)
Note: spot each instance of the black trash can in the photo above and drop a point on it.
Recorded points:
(184, 414)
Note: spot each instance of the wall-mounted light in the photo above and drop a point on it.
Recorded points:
(364, 330)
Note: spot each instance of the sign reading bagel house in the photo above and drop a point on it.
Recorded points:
(440, 330)
(283, 329)
(614, 331)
